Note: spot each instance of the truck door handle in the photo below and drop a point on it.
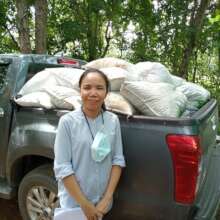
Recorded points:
(2, 113)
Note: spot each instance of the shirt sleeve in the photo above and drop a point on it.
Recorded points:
(62, 150)
(118, 157)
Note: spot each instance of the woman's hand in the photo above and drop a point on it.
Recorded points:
(103, 205)
(90, 211)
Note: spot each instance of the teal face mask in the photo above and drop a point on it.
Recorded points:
(100, 147)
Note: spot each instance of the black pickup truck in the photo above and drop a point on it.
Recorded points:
(173, 164)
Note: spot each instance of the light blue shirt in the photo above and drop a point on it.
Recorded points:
(73, 155)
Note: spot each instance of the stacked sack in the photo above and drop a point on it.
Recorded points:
(152, 90)
(58, 87)
(153, 93)
(117, 71)
(146, 87)
(52, 88)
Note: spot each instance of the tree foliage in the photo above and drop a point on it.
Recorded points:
(183, 35)
(85, 27)
(8, 42)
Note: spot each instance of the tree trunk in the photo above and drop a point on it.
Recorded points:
(107, 39)
(23, 26)
(195, 66)
(196, 21)
(41, 26)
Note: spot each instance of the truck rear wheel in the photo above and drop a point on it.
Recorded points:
(37, 194)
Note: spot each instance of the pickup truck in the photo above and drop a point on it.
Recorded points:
(172, 168)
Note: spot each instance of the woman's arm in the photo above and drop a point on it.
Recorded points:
(91, 212)
(103, 205)
(117, 163)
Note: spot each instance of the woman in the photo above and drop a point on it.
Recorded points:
(88, 150)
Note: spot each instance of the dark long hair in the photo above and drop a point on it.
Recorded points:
(93, 70)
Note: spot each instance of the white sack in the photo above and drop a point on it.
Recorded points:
(189, 110)
(116, 76)
(177, 81)
(110, 62)
(154, 99)
(37, 82)
(63, 97)
(116, 102)
(196, 95)
(35, 99)
(152, 72)
(114, 62)
(49, 77)
(67, 77)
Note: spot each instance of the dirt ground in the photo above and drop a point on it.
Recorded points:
(9, 210)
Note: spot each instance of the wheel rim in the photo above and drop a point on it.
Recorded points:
(41, 203)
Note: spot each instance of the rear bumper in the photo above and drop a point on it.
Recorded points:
(210, 196)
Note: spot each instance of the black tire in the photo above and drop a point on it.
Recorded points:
(37, 194)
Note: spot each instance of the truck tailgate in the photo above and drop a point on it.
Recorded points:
(207, 120)
(209, 180)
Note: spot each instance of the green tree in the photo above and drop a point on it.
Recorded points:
(85, 28)
(141, 14)
(195, 26)
(8, 42)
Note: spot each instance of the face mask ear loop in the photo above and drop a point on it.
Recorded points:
(90, 130)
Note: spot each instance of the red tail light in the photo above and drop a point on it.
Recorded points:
(68, 61)
(186, 154)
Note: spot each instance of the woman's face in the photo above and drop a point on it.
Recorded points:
(93, 91)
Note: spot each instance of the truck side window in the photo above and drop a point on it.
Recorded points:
(3, 71)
